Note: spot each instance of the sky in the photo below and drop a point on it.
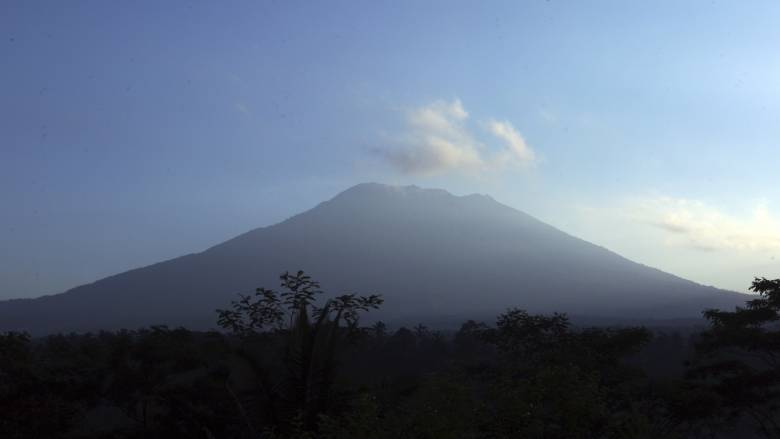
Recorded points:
(134, 132)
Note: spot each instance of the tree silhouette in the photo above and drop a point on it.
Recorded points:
(553, 381)
(739, 358)
(310, 337)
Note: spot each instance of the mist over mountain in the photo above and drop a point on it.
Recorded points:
(431, 254)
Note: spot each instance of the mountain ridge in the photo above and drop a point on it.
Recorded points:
(427, 251)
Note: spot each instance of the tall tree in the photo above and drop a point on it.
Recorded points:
(739, 358)
(309, 337)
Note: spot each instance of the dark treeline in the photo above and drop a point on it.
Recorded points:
(286, 367)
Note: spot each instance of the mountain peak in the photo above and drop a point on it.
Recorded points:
(364, 191)
(373, 188)
(427, 251)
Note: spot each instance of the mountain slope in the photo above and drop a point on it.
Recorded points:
(428, 252)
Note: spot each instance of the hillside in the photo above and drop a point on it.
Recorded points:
(431, 254)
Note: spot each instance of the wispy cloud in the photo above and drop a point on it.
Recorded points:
(437, 138)
(516, 149)
(700, 226)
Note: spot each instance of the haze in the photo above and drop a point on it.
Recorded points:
(132, 133)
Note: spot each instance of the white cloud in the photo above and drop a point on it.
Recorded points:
(697, 225)
(517, 150)
(437, 139)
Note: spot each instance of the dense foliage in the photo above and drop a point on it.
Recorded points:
(287, 368)
(739, 363)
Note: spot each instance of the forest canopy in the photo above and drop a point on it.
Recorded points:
(288, 365)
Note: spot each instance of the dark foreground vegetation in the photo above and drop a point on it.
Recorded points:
(286, 368)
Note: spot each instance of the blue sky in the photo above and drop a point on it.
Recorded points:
(135, 132)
